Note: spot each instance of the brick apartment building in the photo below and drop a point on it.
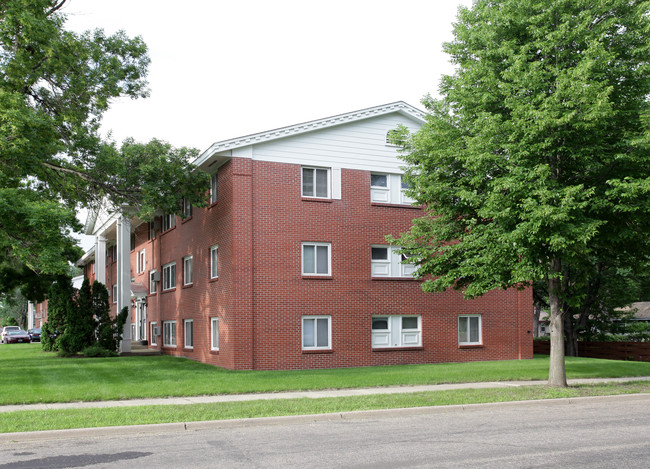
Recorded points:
(288, 267)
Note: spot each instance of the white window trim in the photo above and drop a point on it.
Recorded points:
(153, 285)
(329, 333)
(214, 263)
(404, 199)
(214, 188)
(154, 337)
(214, 326)
(167, 279)
(168, 325)
(168, 221)
(392, 194)
(396, 336)
(480, 329)
(188, 274)
(187, 208)
(329, 259)
(185, 335)
(115, 293)
(142, 260)
(392, 266)
(329, 182)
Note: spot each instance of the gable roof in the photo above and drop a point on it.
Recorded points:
(400, 107)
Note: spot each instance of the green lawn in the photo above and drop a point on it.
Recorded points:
(28, 375)
(32, 420)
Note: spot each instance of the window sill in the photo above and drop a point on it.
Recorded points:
(384, 204)
(399, 279)
(316, 199)
(213, 204)
(214, 352)
(167, 230)
(185, 220)
(189, 285)
(317, 277)
(152, 294)
(170, 347)
(468, 346)
(395, 349)
(168, 290)
(308, 352)
(215, 279)
(188, 349)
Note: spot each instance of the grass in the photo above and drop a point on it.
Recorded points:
(24, 421)
(32, 376)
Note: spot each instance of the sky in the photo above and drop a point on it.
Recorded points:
(224, 69)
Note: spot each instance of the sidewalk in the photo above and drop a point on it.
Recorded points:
(302, 394)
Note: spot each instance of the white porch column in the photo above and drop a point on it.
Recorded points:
(100, 259)
(124, 277)
(30, 315)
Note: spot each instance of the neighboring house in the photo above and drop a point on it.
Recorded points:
(288, 267)
(37, 312)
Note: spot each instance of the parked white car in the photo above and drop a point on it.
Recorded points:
(5, 330)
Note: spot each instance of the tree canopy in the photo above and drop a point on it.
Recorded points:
(55, 86)
(536, 160)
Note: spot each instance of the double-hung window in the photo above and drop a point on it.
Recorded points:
(386, 261)
(169, 333)
(316, 332)
(316, 182)
(188, 333)
(169, 276)
(187, 208)
(396, 331)
(214, 334)
(469, 329)
(153, 281)
(404, 186)
(168, 221)
(187, 270)
(115, 293)
(154, 333)
(214, 188)
(214, 261)
(141, 261)
(316, 259)
(379, 188)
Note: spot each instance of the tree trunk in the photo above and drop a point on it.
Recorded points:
(571, 335)
(557, 371)
(536, 312)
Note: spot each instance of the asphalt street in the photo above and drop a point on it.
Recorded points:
(597, 432)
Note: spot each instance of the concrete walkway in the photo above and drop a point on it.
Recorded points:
(302, 394)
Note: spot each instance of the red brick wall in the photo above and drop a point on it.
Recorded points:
(259, 223)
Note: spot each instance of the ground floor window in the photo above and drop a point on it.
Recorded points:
(169, 333)
(154, 333)
(396, 331)
(214, 334)
(469, 330)
(188, 333)
(316, 332)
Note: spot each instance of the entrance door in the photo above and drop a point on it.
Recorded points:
(141, 321)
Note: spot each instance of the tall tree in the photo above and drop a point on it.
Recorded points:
(55, 86)
(536, 160)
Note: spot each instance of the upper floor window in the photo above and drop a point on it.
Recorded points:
(187, 208)
(214, 261)
(389, 189)
(396, 331)
(316, 182)
(214, 188)
(168, 221)
(387, 262)
(169, 276)
(152, 229)
(316, 259)
(141, 261)
(154, 277)
(390, 135)
(469, 329)
(115, 293)
(187, 270)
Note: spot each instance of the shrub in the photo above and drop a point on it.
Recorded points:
(96, 351)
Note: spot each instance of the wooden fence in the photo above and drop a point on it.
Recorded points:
(633, 351)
